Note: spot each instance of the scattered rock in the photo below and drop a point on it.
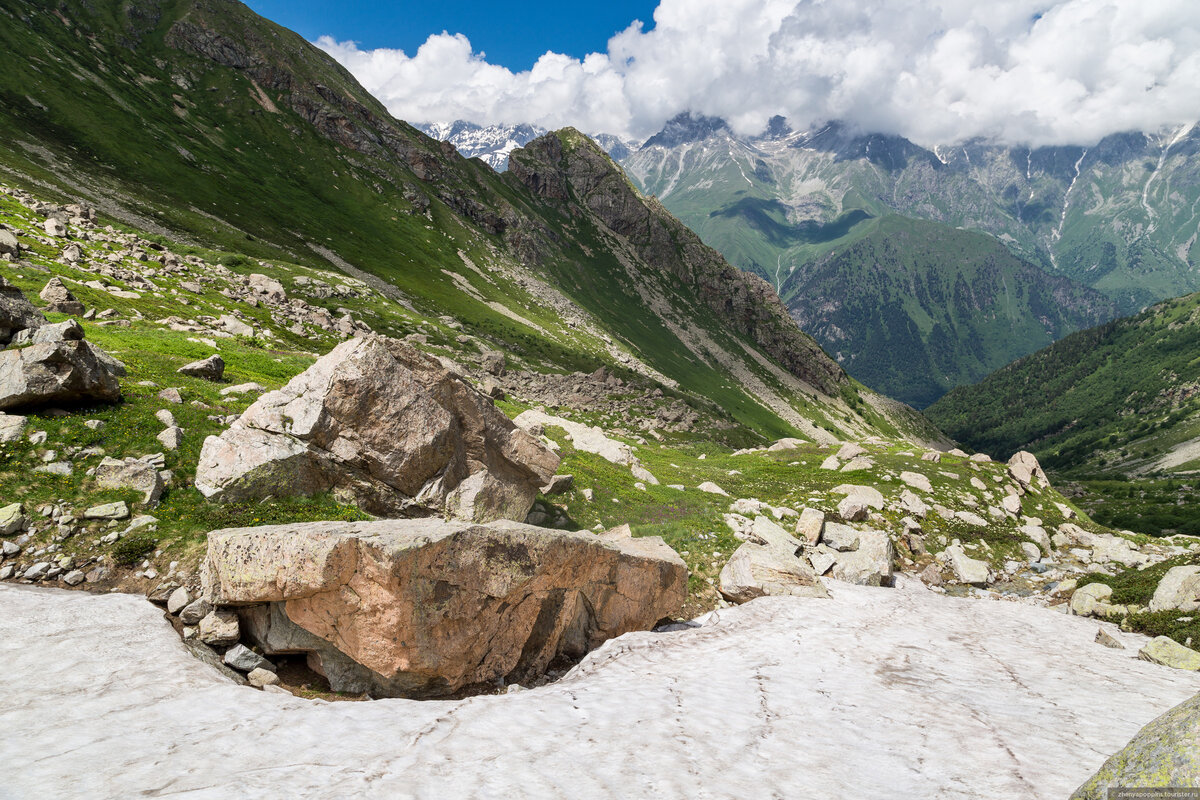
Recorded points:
(130, 473)
(432, 606)
(171, 437)
(13, 519)
(9, 246)
(1108, 640)
(387, 427)
(58, 298)
(178, 600)
(1024, 468)
(210, 369)
(831, 463)
(171, 396)
(1170, 653)
(219, 627)
(74, 578)
(917, 481)
(117, 510)
(712, 488)
(559, 484)
(16, 312)
(243, 658)
(1179, 590)
(193, 612)
(1091, 600)
(768, 566)
(56, 370)
(966, 569)
(493, 363)
(811, 524)
(850, 450)
(263, 678)
(869, 563)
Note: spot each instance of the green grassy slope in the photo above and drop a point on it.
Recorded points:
(1121, 399)
(915, 308)
(201, 119)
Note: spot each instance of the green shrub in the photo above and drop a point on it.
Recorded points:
(133, 547)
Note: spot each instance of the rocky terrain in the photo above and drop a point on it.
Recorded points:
(564, 468)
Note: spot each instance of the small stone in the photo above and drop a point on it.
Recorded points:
(110, 511)
(243, 658)
(13, 519)
(219, 627)
(193, 612)
(1108, 640)
(165, 417)
(10, 549)
(171, 438)
(559, 484)
(853, 509)
(74, 578)
(263, 678)
(712, 488)
(178, 600)
(171, 396)
(810, 524)
(37, 571)
(209, 369)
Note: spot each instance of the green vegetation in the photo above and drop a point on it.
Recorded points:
(1115, 400)
(915, 308)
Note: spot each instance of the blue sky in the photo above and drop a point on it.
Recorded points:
(513, 35)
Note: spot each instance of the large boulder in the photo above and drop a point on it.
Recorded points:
(1167, 652)
(429, 607)
(1164, 753)
(1024, 468)
(58, 298)
(868, 563)
(768, 564)
(384, 426)
(1179, 590)
(16, 312)
(55, 366)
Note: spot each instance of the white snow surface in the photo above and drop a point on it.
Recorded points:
(873, 693)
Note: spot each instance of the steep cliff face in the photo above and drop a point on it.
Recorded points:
(568, 167)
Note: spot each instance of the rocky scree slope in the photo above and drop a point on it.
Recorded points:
(200, 118)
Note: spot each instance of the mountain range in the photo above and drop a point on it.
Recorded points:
(201, 120)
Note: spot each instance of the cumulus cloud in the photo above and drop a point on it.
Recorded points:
(936, 71)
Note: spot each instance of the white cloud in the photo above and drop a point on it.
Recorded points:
(936, 71)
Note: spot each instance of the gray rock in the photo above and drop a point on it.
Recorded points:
(869, 564)
(771, 568)
(13, 519)
(853, 509)
(1031, 551)
(1179, 590)
(263, 679)
(1091, 600)
(1108, 640)
(383, 425)
(74, 577)
(131, 473)
(559, 484)
(219, 627)
(7, 572)
(10, 549)
(9, 246)
(37, 571)
(493, 363)
(1164, 753)
(12, 426)
(171, 438)
(117, 510)
(54, 226)
(1170, 653)
(966, 569)
(58, 298)
(811, 524)
(210, 369)
(16, 312)
(840, 537)
(243, 658)
(178, 600)
(193, 612)
(61, 372)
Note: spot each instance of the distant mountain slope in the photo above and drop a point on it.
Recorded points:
(200, 118)
(491, 143)
(915, 308)
(1121, 217)
(494, 143)
(1122, 398)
